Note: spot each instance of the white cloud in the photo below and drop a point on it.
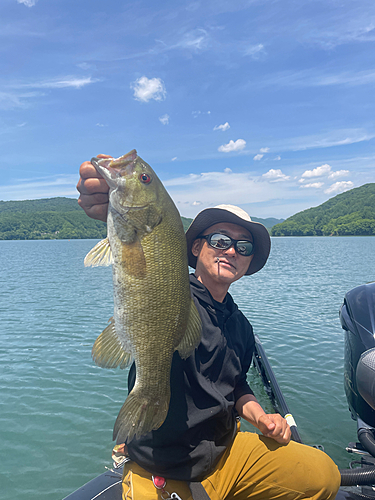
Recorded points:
(223, 127)
(317, 172)
(86, 66)
(227, 188)
(174, 159)
(275, 175)
(227, 170)
(339, 187)
(258, 157)
(315, 78)
(196, 203)
(197, 113)
(338, 173)
(329, 139)
(237, 145)
(18, 97)
(315, 185)
(28, 3)
(164, 119)
(44, 187)
(9, 101)
(146, 89)
(256, 51)
(196, 40)
(264, 150)
(277, 158)
(59, 83)
(322, 171)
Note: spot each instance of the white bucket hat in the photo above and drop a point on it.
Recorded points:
(230, 213)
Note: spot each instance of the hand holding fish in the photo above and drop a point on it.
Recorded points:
(93, 190)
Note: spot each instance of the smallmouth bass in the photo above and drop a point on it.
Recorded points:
(154, 314)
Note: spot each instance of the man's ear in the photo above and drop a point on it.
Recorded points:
(196, 247)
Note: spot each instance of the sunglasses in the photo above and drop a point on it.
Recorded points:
(223, 242)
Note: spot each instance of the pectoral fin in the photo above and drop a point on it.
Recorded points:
(100, 255)
(134, 259)
(108, 352)
(192, 334)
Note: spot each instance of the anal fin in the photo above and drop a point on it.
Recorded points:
(108, 352)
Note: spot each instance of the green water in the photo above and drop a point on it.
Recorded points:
(57, 409)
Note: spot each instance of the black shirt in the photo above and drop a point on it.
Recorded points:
(201, 420)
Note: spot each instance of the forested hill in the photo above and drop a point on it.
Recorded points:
(46, 219)
(57, 218)
(348, 214)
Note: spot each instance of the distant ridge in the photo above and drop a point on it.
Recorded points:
(59, 218)
(348, 214)
(47, 219)
(269, 222)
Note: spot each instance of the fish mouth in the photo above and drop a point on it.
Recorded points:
(113, 168)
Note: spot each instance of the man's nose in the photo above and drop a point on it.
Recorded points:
(231, 250)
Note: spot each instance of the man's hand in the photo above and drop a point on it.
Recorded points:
(93, 191)
(271, 425)
(274, 426)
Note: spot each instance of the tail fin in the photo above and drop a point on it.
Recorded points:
(141, 413)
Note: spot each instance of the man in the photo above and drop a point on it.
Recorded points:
(200, 439)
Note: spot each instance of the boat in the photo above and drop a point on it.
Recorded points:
(357, 317)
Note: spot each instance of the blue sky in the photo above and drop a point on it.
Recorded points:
(266, 104)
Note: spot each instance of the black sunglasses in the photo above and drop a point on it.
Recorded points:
(223, 242)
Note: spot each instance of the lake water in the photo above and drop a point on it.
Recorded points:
(57, 409)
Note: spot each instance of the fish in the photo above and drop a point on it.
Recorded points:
(154, 313)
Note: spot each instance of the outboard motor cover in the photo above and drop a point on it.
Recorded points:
(357, 316)
(366, 377)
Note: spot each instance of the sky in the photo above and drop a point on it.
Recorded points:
(264, 104)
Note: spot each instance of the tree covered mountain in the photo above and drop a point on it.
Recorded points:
(58, 218)
(46, 219)
(348, 214)
(50, 218)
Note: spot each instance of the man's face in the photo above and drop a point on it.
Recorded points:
(221, 266)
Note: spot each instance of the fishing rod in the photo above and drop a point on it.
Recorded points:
(272, 388)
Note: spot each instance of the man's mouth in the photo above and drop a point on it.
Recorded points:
(225, 262)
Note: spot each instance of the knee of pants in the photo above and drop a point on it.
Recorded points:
(327, 478)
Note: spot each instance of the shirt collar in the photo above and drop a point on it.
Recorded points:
(203, 294)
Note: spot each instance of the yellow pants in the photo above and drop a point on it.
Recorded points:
(253, 467)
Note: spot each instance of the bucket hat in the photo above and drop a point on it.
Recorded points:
(230, 213)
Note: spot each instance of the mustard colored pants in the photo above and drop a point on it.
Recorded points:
(253, 467)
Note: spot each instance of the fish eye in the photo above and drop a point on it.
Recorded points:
(145, 178)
